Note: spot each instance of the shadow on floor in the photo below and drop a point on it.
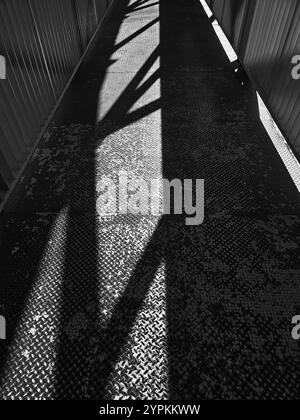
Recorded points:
(231, 282)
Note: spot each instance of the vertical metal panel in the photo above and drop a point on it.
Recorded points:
(42, 42)
(266, 35)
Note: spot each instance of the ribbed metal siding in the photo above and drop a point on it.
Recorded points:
(266, 35)
(42, 42)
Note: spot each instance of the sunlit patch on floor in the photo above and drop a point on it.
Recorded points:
(121, 245)
(39, 326)
(141, 371)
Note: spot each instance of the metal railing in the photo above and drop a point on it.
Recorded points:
(266, 36)
(41, 44)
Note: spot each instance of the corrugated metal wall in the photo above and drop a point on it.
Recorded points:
(42, 42)
(266, 35)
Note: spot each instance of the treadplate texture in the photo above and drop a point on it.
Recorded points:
(140, 307)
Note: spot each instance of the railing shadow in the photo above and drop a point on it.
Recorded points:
(218, 274)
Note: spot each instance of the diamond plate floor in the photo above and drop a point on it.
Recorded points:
(145, 307)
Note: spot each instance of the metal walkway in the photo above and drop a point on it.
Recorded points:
(146, 307)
